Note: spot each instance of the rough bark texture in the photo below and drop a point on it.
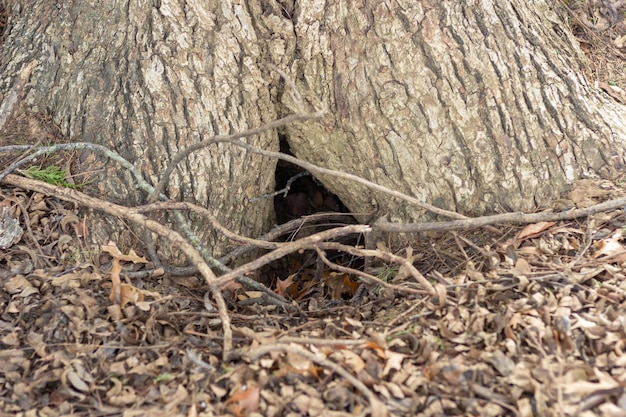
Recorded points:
(148, 80)
(471, 106)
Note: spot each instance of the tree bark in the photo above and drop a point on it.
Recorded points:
(148, 79)
(478, 107)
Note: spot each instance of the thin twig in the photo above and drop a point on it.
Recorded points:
(172, 205)
(243, 280)
(141, 183)
(298, 117)
(284, 191)
(283, 229)
(386, 256)
(222, 139)
(272, 235)
(315, 169)
(321, 342)
(368, 278)
(294, 91)
(29, 229)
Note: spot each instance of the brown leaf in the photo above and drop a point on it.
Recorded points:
(244, 400)
(298, 362)
(122, 294)
(116, 281)
(611, 247)
(283, 285)
(339, 284)
(353, 361)
(394, 361)
(112, 249)
(533, 230)
(380, 352)
(130, 294)
(74, 379)
(522, 267)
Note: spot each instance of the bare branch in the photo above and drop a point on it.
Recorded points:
(383, 225)
(315, 169)
(220, 139)
(309, 242)
(141, 183)
(285, 228)
(171, 205)
(386, 256)
(367, 278)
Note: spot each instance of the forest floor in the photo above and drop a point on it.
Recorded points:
(527, 320)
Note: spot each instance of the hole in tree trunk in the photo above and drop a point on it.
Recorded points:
(304, 194)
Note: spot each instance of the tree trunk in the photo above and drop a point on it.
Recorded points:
(476, 107)
(148, 81)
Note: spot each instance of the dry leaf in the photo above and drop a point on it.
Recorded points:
(611, 247)
(244, 400)
(112, 249)
(522, 267)
(353, 361)
(122, 294)
(393, 362)
(298, 362)
(283, 285)
(130, 294)
(339, 284)
(533, 230)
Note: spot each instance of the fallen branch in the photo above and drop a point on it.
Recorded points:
(283, 229)
(309, 242)
(383, 225)
(141, 183)
(264, 244)
(172, 205)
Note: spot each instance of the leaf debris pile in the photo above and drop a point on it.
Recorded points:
(531, 323)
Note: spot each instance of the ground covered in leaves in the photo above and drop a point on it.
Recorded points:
(528, 320)
(531, 322)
